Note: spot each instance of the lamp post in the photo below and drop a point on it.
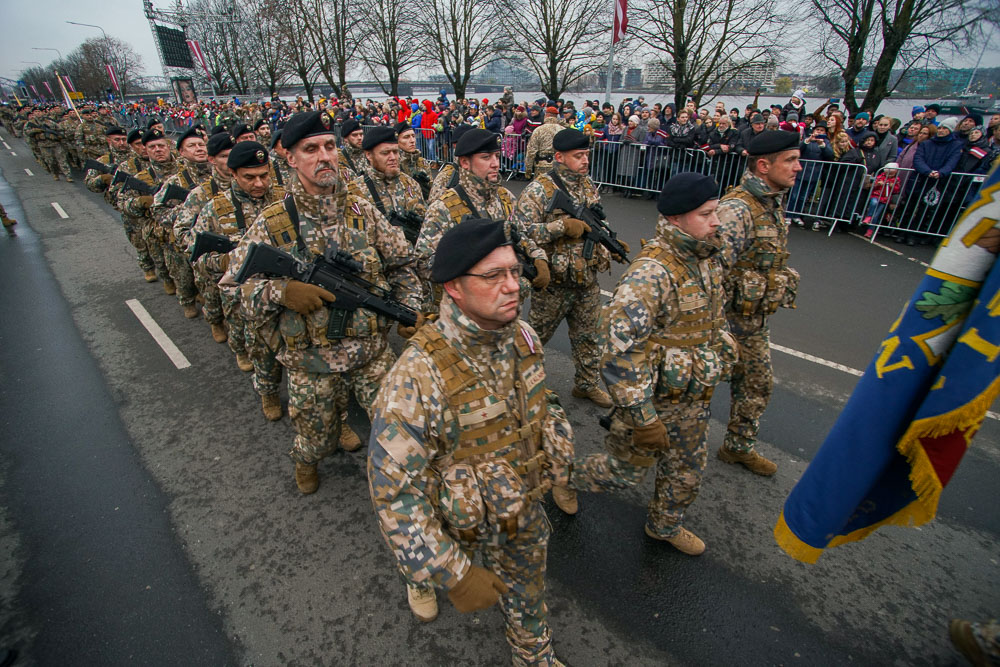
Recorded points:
(107, 42)
(47, 48)
(34, 62)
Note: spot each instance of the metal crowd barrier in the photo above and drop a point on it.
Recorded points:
(830, 191)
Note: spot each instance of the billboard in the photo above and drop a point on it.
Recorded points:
(184, 90)
(173, 44)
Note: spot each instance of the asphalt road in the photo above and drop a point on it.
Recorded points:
(148, 514)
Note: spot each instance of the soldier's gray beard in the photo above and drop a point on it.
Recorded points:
(326, 181)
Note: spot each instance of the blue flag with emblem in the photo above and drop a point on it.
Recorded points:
(915, 410)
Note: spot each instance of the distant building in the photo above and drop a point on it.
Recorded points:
(756, 74)
(633, 78)
(504, 73)
(934, 82)
(656, 75)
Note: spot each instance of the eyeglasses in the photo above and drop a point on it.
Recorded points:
(497, 276)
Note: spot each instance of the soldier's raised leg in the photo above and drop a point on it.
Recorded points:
(750, 387)
(312, 400)
(262, 343)
(134, 233)
(585, 343)
(154, 246)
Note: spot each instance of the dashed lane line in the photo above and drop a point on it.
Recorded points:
(28, 172)
(888, 249)
(161, 338)
(606, 293)
(59, 210)
(6, 145)
(13, 153)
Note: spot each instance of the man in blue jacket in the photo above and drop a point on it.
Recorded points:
(934, 161)
(815, 148)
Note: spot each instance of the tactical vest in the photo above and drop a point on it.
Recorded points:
(759, 282)
(694, 351)
(300, 332)
(498, 464)
(458, 209)
(566, 259)
(232, 219)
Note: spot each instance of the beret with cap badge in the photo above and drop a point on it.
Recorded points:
(247, 154)
(464, 245)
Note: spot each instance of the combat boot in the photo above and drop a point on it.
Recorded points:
(191, 311)
(150, 276)
(964, 638)
(423, 603)
(55, 177)
(753, 461)
(595, 395)
(565, 499)
(9, 222)
(271, 405)
(306, 477)
(69, 179)
(349, 440)
(685, 541)
(243, 361)
(219, 334)
(169, 287)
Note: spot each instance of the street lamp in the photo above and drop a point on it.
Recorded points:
(46, 48)
(107, 41)
(34, 62)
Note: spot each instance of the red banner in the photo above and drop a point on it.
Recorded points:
(114, 79)
(621, 21)
(199, 55)
(69, 84)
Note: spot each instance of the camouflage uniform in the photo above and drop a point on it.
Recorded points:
(184, 219)
(100, 182)
(449, 476)
(755, 250)
(228, 213)
(353, 162)
(539, 154)
(443, 181)
(317, 367)
(416, 167)
(667, 348)
(68, 126)
(280, 169)
(398, 194)
(574, 293)
(20, 118)
(90, 140)
(48, 145)
(152, 231)
(133, 225)
(188, 176)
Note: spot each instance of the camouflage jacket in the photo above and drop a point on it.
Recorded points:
(565, 254)
(441, 182)
(90, 138)
(393, 194)
(425, 456)
(131, 165)
(43, 131)
(358, 228)
(218, 216)
(490, 200)
(539, 146)
(188, 212)
(96, 181)
(666, 330)
(68, 126)
(352, 162)
(413, 163)
(189, 175)
(154, 174)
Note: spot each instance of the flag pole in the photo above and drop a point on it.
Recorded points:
(611, 53)
(67, 97)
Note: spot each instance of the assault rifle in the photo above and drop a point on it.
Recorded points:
(424, 181)
(99, 166)
(210, 242)
(409, 222)
(594, 217)
(337, 272)
(173, 190)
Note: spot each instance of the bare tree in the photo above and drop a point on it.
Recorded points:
(558, 38)
(707, 44)
(270, 67)
(461, 36)
(846, 39)
(335, 42)
(300, 58)
(382, 50)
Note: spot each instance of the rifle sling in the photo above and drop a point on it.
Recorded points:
(241, 221)
(375, 196)
(293, 215)
(466, 199)
(278, 177)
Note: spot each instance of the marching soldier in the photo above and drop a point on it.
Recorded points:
(193, 169)
(758, 282)
(465, 441)
(574, 293)
(382, 182)
(447, 176)
(262, 131)
(538, 154)
(228, 213)
(137, 162)
(8, 223)
(352, 156)
(162, 166)
(89, 135)
(242, 132)
(667, 346)
(44, 130)
(322, 211)
(218, 148)
(118, 152)
(67, 128)
(411, 162)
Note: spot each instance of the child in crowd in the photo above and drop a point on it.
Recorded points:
(887, 185)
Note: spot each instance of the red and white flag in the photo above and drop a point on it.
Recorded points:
(199, 55)
(113, 77)
(33, 89)
(49, 88)
(69, 84)
(621, 21)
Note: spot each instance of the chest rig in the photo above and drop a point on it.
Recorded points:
(756, 283)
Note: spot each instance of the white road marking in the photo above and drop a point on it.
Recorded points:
(6, 145)
(892, 250)
(28, 172)
(59, 210)
(161, 338)
(606, 293)
(13, 153)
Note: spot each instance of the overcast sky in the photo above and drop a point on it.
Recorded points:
(42, 23)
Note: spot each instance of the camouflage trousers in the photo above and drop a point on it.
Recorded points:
(751, 383)
(519, 561)
(134, 233)
(581, 308)
(154, 246)
(180, 271)
(54, 159)
(208, 287)
(239, 336)
(263, 352)
(315, 401)
(679, 469)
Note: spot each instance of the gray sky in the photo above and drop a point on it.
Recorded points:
(42, 23)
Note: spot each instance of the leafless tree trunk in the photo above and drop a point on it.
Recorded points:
(332, 34)
(270, 67)
(300, 58)
(461, 36)
(385, 49)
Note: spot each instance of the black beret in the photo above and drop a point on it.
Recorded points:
(114, 130)
(218, 129)
(378, 135)
(685, 192)
(570, 139)
(219, 142)
(457, 133)
(152, 135)
(247, 154)
(773, 141)
(153, 121)
(477, 141)
(402, 127)
(134, 135)
(464, 245)
(350, 126)
(191, 132)
(259, 123)
(240, 130)
(274, 139)
(305, 124)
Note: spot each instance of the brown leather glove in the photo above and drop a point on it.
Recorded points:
(574, 228)
(543, 278)
(223, 262)
(106, 178)
(650, 436)
(146, 201)
(619, 258)
(304, 298)
(478, 589)
(406, 332)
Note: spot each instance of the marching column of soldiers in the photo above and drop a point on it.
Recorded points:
(302, 255)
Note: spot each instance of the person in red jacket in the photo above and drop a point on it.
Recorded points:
(887, 185)
(427, 121)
